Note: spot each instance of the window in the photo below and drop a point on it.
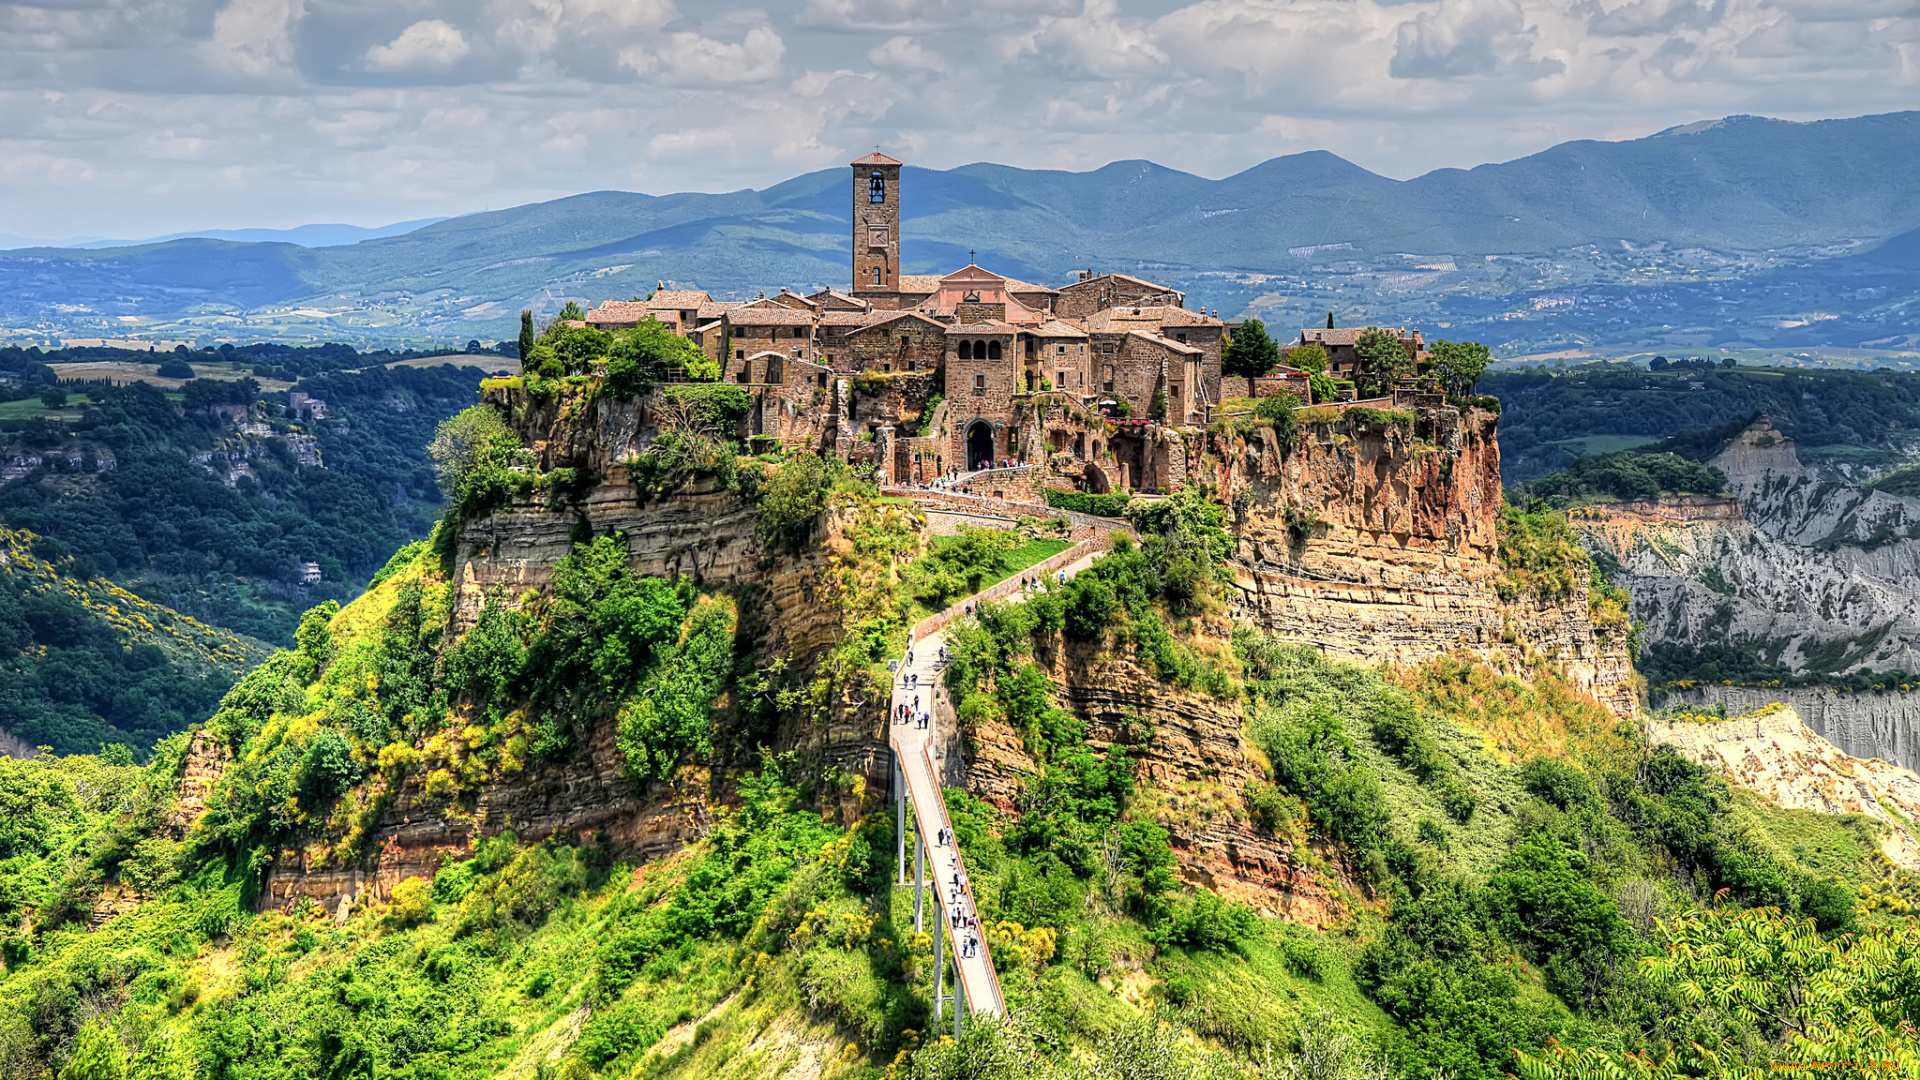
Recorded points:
(980, 382)
(1063, 381)
(966, 350)
(876, 188)
(1063, 350)
(739, 354)
(876, 275)
(993, 350)
(799, 332)
(905, 341)
(1173, 392)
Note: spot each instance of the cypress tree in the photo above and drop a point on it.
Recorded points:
(1329, 320)
(526, 333)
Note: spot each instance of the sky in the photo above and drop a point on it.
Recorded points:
(131, 118)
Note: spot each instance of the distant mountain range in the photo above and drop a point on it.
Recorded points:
(1738, 234)
(319, 235)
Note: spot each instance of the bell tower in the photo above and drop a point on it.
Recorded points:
(876, 224)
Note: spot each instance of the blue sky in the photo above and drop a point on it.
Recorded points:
(142, 117)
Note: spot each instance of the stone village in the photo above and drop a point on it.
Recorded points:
(933, 377)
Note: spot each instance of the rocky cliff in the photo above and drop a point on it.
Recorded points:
(1815, 576)
(1193, 763)
(1774, 754)
(1379, 542)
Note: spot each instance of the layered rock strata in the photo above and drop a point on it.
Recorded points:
(1774, 754)
(1379, 542)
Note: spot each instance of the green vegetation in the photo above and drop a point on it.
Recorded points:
(1539, 554)
(1627, 474)
(1278, 410)
(1381, 360)
(84, 662)
(1110, 505)
(974, 558)
(1863, 418)
(1250, 352)
(184, 510)
(1459, 365)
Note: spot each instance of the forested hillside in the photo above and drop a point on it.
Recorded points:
(624, 824)
(209, 497)
(1854, 424)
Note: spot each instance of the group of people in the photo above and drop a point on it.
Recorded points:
(904, 713)
(964, 925)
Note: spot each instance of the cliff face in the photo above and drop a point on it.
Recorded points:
(1817, 576)
(1380, 543)
(1192, 759)
(704, 532)
(1775, 755)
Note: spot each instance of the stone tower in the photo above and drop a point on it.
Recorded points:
(876, 224)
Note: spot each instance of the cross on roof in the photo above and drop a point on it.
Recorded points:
(969, 254)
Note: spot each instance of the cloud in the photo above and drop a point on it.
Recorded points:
(1470, 39)
(429, 44)
(139, 117)
(903, 53)
(688, 59)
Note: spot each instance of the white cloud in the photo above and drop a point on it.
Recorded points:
(1470, 39)
(689, 59)
(902, 53)
(429, 44)
(243, 112)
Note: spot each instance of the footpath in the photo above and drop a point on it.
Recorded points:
(941, 871)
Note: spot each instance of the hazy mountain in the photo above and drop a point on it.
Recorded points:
(1662, 233)
(317, 235)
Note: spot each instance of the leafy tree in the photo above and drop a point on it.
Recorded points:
(1310, 358)
(1250, 353)
(54, 397)
(471, 451)
(1277, 408)
(641, 355)
(1381, 360)
(1459, 364)
(793, 499)
(172, 368)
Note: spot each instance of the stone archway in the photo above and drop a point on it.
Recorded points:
(979, 445)
(1097, 482)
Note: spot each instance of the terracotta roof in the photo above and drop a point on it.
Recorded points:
(678, 298)
(1169, 343)
(618, 311)
(1122, 277)
(712, 310)
(846, 318)
(875, 158)
(1054, 328)
(715, 325)
(829, 295)
(1323, 336)
(771, 315)
(920, 283)
(991, 327)
(892, 317)
(1114, 320)
(1016, 285)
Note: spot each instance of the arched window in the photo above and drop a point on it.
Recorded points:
(876, 188)
(993, 350)
(966, 350)
(876, 275)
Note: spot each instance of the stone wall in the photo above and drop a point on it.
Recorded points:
(981, 391)
(905, 343)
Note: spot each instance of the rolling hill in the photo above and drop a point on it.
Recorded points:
(1716, 234)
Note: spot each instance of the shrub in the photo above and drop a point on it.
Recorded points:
(1113, 504)
(411, 903)
(1278, 407)
(1539, 555)
(472, 451)
(792, 501)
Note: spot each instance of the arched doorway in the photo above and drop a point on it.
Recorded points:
(979, 445)
(1097, 483)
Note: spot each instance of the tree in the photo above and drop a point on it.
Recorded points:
(1329, 320)
(54, 397)
(1310, 358)
(1459, 364)
(526, 333)
(470, 450)
(1250, 353)
(1382, 359)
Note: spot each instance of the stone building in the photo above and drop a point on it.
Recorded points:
(1342, 361)
(1070, 381)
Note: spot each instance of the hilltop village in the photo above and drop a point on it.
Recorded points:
(928, 377)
